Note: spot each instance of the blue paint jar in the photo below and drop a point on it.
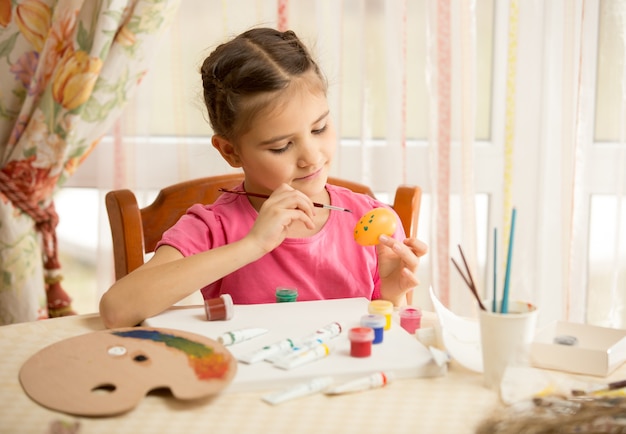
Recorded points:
(377, 323)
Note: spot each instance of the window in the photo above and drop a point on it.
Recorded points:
(167, 120)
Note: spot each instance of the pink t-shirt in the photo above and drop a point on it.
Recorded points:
(327, 265)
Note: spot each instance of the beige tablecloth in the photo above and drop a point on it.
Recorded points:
(453, 403)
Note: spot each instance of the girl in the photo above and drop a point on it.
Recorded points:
(266, 100)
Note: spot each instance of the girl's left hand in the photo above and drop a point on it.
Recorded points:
(397, 265)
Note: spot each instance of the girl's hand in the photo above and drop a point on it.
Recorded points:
(397, 265)
(284, 207)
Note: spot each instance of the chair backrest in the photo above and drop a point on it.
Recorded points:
(136, 231)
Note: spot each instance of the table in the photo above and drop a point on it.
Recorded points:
(454, 403)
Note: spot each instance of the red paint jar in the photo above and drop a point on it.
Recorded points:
(361, 341)
(410, 318)
(220, 308)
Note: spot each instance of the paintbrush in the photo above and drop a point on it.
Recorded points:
(600, 389)
(469, 281)
(265, 196)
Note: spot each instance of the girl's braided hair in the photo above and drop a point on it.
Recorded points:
(258, 61)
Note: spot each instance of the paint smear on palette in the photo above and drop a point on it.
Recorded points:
(205, 362)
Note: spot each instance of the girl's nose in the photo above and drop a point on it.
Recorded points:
(309, 155)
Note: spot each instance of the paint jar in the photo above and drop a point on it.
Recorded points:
(377, 323)
(382, 307)
(361, 339)
(220, 308)
(284, 294)
(410, 318)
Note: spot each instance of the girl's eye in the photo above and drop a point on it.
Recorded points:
(281, 150)
(319, 130)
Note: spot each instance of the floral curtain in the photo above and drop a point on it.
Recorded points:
(67, 69)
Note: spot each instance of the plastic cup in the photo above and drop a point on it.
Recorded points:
(506, 340)
(284, 295)
(410, 318)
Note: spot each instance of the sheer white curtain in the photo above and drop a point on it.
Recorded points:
(488, 105)
(564, 173)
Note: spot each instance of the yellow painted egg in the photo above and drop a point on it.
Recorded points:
(373, 224)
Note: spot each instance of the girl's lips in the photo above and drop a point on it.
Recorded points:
(310, 176)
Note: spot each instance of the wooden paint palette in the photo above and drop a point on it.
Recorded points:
(109, 372)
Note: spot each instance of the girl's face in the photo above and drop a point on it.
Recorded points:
(293, 142)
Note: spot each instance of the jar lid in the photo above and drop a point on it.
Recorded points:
(410, 312)
(373, 320)
(229, 305)
(361, 334)
(384, 307)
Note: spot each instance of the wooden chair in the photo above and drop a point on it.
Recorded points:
(136, 231)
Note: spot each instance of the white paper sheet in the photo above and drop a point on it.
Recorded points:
(461, 336)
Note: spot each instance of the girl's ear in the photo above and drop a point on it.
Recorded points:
(227, 150)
